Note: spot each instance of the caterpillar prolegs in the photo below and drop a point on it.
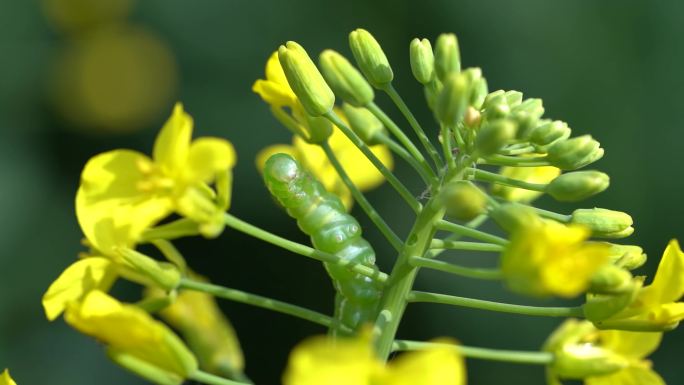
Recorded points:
(321, 215)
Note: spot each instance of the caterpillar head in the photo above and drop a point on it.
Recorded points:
(282, 168)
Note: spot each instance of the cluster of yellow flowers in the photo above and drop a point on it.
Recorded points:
(126, 199)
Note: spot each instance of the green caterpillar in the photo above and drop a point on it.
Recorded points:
(321, 215)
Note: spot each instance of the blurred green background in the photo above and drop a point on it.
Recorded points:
(78, 77)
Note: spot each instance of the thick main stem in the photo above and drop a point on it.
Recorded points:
(404, 274)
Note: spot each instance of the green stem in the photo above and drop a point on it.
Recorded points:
(470, 232)
(428, 177)
(401, 136)
(475, 223)
(403, 274)
(487, 176)
(447, 147)
(380, 223)
(419, 296)
(258, 301)
(552, 215)
(471, 272)
(171, 253)
(391, 178)
(460, 245)
(300, 249)
(503, 160)
(518, 150)
(514, 356)
(286, 120)
(211, 379)
(424, 140)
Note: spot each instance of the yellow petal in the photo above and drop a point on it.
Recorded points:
(439, 366)
(129, 329)
(320, 360)
(630, 344)
(668, 284)
(5, 378)
(209, 156)
(628, 376)
(111, 207)
(173, 141)
(77, 280)
(540, 175)
(264, 154)
(275, 90)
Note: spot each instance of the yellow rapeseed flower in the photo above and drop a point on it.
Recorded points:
(601, 357)
(322, 361)
(540, 175)
(275, 90)
(5, 378)
(634, 347)
(656, 306)
(133, 338)
(550, 258)
(126, 191)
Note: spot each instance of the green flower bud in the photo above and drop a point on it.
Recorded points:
(463, 201)
(447, 56)
(527, 115)
(513, 98)
(318, 128)
(477, 87)
(495, 97)
(626, 256)
(495, 135)
(305, 80)
(370, 58)
(452, 101)
(549, 132)
(604, 223)
(345, 80)
(578, 361)
(611, 279)
(363, 123)
(533, 107)
(511, 216)
(575, 186)
(422, 60)
(575, 153)
(599, 307)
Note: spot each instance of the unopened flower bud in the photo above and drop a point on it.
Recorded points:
(511, 216)
(422, 60)
(629, 257)
(548, 132)
(495, 135)
(513, 98)
(478, 87)
(305, 80)
(575, 153)
(463, 201)
(447, 56)
(575, 186)
(363, 123)
(452, 101)
(533, 107)
(604, 223)
(345, 80)
(370, 58)
(611, 279)
(318, 128)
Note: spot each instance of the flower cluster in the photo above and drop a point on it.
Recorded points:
(490, 156)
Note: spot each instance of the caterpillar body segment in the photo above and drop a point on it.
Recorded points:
(321, 215)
